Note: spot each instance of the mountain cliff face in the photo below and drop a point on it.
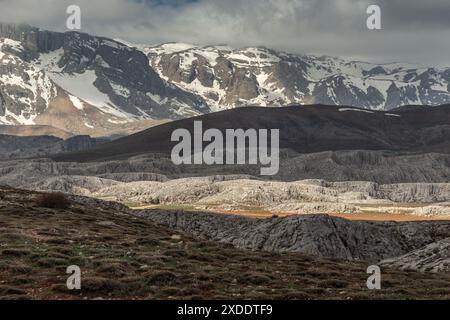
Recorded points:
(93, 85)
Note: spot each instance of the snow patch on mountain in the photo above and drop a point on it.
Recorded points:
(167, 48)
(356, 110)
(77, 103)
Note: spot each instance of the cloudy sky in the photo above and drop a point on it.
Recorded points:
(414, 31)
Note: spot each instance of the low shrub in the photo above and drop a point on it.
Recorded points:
(55, 200)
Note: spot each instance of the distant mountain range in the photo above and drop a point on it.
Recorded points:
(85, 84)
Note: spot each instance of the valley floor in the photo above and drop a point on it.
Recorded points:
(123, 256)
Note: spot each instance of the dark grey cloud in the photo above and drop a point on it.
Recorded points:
(404, 14)
(413, 31)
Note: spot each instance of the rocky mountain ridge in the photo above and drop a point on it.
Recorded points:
(229, 77)
(314, 235)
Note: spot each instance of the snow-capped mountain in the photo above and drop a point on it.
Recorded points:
(228, 77)
(79, 83)
(85, 84)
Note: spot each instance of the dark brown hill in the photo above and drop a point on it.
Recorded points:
(304, 129)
